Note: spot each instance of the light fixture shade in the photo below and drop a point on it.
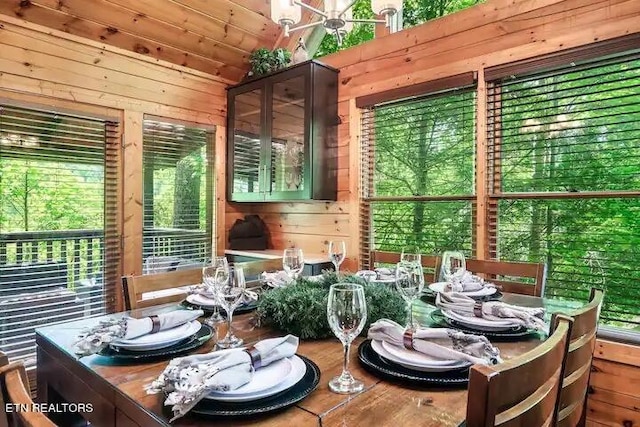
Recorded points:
(348, 26)
(381, 7)
(284, 11)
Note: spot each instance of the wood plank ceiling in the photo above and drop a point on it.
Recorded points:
(213, 36)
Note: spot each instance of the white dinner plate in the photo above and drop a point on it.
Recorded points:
(420, 366)
(442, 287)
(199, 299)
(161, 339)
(265, 376)
(479, 323)
(415, 358)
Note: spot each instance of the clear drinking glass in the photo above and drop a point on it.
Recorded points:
(217, 262)
(411, 254)
(230, 296)
(410, 282)
(453, 263)
(346, 313)
(337, 253)
(293, 262)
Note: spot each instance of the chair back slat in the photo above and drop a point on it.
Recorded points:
(135, 286)
(573, 396)
(430, 263)
(507, 273)
(14, 385)
(523, 390)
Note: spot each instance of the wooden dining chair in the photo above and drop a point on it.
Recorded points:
(430, 263)
(14, 384)
(515, 277)
(573, 397)
(522, 391)
(134, 286)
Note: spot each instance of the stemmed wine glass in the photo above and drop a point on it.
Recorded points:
(337, 253)
(410, 282)
(211, 283)
(453, 264)
(230, 295)
(293, 262)
(411, 254)
(346, 313)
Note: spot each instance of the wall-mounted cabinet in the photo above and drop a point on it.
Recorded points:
(282, 136)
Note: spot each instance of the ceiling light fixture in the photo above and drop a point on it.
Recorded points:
(336, 17)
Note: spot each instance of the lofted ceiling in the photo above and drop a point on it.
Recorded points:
(214, 36)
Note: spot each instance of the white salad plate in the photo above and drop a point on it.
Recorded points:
(160, 339)
(441, 287)
(479, 323)
(416, 360)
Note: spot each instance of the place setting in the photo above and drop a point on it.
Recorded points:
(131, 340)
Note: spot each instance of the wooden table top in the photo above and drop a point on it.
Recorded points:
(381, 403)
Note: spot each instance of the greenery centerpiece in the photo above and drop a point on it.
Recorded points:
(301, 308)
(264, 61)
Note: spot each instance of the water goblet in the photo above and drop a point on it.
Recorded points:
(337, 253)
(230, 295)
(453, 264)
(218, 262)
(213, 277)
(347, 314)
(411, 254)
(293, 262)
(409, 282)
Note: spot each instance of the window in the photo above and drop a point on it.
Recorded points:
(178, 196)
(565, 178)
(418, 173)
(59, 241)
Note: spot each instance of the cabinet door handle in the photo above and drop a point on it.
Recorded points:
(265, 177)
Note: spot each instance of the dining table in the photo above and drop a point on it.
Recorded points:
(117, 397)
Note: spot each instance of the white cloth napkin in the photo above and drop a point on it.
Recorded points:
(385, 273)
(188, 379)
(467, 282)
(107, 331)
(492, 310)
(276, 279)
(440, 343)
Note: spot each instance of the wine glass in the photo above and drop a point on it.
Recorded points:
(411, 254)
(293, 262)
(337, 253)
(410, 282)
(453, 264)
(230, 295)
(212, 284)
(346, 313)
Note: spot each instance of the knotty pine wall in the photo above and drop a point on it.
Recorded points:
(45, 67)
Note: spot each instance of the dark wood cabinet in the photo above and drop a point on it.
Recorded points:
(282, 136)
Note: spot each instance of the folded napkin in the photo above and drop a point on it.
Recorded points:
(467, 282)
(107, 331)
(440, 343)
(276, 279)
(385, 273)
(492, 310)
(188, 379)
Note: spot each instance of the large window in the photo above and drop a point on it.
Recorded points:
(59, 242)
(565, 178)
(419, 173)
(178, 196)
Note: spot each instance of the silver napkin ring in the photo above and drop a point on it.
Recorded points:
(477, 309)
(256, 360)
(155, 322)
(407, 339)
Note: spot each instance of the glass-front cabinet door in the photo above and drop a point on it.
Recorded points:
(248, 172)
(288, 143)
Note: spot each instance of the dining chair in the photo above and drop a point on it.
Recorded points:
(573, 397)
(525, 278)
(430, 263)
(523, 391)
(135, 286)
(15, 390)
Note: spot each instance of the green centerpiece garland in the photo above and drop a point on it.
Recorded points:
(301, 308)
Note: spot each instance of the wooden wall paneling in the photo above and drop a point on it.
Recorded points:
(481, 232)
(133, 195)
(354, 119)
(220, 154)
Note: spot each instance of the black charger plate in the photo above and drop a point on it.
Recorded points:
(243, 308)
(188, 344)
(279, 401)
(383, 368)
(512, 334)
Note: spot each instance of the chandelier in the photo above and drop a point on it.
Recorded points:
(336, 18)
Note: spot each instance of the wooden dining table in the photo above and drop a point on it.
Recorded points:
(118, 398)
